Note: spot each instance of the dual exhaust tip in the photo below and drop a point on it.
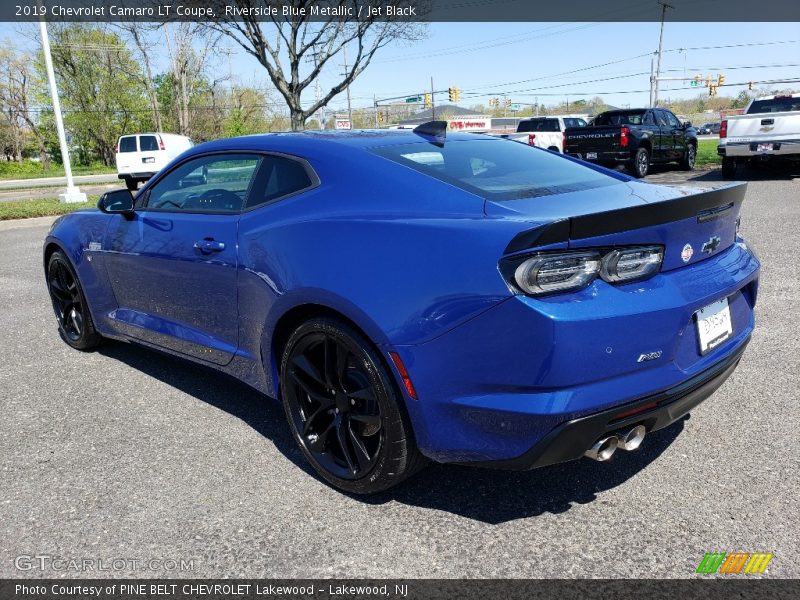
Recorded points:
(604, 448)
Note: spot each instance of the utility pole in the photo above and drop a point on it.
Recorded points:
(72, 193)
(375, 104)
(536, 99)
(433, 102)
(652, 79)
(664, 7)
(349, 106)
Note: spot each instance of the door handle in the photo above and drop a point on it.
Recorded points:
(209, 245)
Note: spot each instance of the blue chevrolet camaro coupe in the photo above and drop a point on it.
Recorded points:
(413, 295)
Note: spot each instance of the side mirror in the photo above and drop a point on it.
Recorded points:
(116, 202)
(687, 124)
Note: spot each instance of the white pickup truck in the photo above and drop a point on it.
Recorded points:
(769, 129)
(545, 132)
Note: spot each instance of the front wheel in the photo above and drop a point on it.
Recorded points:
(687, 164)
(728, 167)
(72, 313)
(344, 409)
(640, 163)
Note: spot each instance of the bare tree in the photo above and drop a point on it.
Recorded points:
(138, 34)
(295, 52)
(19, 85)
(187, 64)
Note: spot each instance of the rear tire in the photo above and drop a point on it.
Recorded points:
(344, 409)
(728, 167)
(640, 163)
(75, 323)
(131, 184)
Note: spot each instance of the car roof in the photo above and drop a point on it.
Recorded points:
(309, 140)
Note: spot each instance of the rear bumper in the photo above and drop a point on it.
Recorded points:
(788, 149)
(570, 440)
(616, 157)
(501, 383)
(143, 176)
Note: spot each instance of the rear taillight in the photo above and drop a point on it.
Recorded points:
(623, 137)
(723, 129)
(531, 139)
(550, 273)
(160, 143)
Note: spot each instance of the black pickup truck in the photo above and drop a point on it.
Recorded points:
(635, 138)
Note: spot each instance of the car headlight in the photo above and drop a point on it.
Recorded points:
(549, 273)
(546, 274)
(631, 263)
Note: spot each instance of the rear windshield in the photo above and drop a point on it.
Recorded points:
(127, 143)
(786, 104)
(497, 169)
(631, 117)
(537, 125)
(148, 143)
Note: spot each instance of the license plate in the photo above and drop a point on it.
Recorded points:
(713, 325)
(149, 159)
(591, 155)
(764, 148)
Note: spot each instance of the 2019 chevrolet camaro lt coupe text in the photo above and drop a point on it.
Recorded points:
(414, 295)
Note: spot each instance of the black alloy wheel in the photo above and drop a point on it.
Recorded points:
(343, 408)
(74, 320)
(640, 164)
(689, 158)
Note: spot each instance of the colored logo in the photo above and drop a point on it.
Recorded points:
(734, 563)
(687, 252)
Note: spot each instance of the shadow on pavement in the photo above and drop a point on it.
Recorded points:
(490, 496)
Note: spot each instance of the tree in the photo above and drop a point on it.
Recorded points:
(741, 100)
(19, 86)
(295, 52)
(100, 87)
(137, 33)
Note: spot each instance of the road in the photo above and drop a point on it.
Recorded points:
(125, 453)
(79, 180)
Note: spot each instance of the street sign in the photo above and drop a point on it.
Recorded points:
(516, 107)
(342, 123)
(411, 99)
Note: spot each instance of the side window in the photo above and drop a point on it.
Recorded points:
(148, 143)
(217, 184)
(127, 143)
(648, 119)
(662, 119)
(672, 119)
(278, 176)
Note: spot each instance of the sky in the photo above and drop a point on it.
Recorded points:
(529, 62)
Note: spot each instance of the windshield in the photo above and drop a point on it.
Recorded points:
(497, 169)
(781, 104)
(633, 117)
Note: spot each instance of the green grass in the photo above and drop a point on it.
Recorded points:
(707, 153)
(43, 207)
(31, 170)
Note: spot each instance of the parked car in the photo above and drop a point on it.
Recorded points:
(413, 295)
(769, 130)
(635, 138)
(141, 155)
(708, 129)
(545, 132)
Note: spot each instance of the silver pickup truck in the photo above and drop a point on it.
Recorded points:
(769, 129)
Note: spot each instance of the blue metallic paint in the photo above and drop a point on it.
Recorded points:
(413, 262)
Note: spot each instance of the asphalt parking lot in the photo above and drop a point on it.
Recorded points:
(123, 453)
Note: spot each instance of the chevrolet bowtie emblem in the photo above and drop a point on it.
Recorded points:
(712, 244)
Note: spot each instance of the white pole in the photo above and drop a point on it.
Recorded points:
(72, 193)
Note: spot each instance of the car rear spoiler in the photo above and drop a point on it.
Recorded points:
(705, 205)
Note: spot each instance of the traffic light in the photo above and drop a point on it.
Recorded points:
(494, 101)
(428, 102)
(458, 94)
(708, 81)
(380, 117)
(749, 85)
(507, 102)
(712, 90)
(720, 80)
(451, 94)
